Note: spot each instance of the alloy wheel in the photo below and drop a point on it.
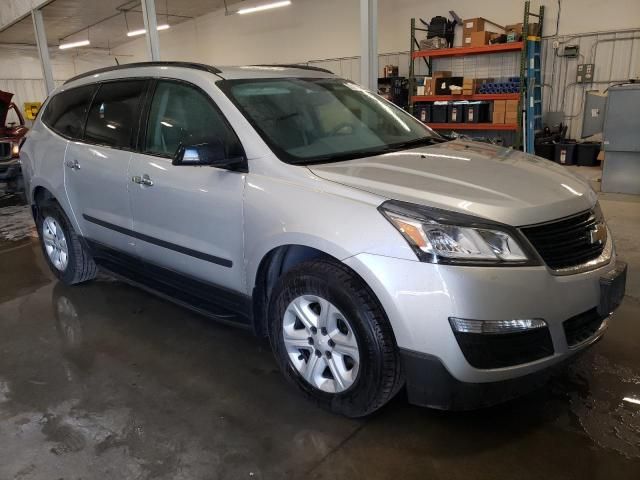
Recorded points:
(55, 243)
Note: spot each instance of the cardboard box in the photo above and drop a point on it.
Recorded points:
(510, 117)
(499, 105)
(479, 39)
(498, 116)
(511, 105)
(473, 24)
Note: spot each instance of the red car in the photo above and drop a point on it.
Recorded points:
(12, 132)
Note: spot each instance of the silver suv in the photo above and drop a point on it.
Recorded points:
(373, 253)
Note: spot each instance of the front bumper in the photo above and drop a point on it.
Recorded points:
(429, 384)
(10, 170)
(419, 298)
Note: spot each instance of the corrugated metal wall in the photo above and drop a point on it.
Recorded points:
(616, 56)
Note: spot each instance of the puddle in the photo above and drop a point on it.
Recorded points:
(16, 222)
(606, 402)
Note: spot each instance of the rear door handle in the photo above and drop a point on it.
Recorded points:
(142, 180)
(72, 164)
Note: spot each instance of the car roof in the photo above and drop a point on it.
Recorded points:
(132, 70)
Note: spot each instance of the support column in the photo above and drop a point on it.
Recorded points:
(43, 50)
(151, 25)
(369, 44)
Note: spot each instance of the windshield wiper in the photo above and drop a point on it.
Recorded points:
(414, 143)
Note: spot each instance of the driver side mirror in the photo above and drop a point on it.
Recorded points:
(211, 154)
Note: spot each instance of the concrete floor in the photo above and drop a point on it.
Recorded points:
(104, 381)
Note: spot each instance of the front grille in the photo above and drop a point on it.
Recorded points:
(5, 150)
(582, 327)
(567, 242)
(504, 350)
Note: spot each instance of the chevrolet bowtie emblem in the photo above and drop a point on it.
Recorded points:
(598, 234)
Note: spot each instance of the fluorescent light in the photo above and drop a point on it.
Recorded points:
(142, 31)
(268, 6)
(135, 33)
(81, 43)
(632, 400)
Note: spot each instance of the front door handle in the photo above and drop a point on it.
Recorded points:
(72, 164)
(142, 180)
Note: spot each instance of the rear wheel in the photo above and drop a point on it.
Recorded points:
(333, 340)
(68, 259)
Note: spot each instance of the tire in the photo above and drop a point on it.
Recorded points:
(79, 267)
(351, 303)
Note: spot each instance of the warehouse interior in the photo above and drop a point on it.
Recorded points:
(104, 379)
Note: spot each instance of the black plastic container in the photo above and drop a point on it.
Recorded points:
(565, 153)
(440, 113)
(456, 113)
(476, 112)
(422, 111)
(546, 150)
(587, 154)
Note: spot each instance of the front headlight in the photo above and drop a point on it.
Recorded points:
(442, 237)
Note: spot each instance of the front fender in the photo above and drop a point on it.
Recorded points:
(337, 220)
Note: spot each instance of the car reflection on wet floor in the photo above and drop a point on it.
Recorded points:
(106, 381)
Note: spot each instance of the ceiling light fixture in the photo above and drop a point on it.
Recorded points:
(142, 31)
(261, 8)
(81, 43)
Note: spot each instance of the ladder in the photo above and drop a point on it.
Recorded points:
(530, 113)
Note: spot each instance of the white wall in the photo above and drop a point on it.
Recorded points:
(313, 29)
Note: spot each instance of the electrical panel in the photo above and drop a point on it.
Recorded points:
(584, 73)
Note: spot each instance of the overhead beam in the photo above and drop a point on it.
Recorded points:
(43, 50)
(369, 44)
(151, 25)
(13, 11)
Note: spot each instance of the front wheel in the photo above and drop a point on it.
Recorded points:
(331, 338)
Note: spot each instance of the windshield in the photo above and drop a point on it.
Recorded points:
(322, 120)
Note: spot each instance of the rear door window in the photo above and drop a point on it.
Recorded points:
(114, 114)
(66, 112)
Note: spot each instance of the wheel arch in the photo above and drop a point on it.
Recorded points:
(38, 195)
(275, 263)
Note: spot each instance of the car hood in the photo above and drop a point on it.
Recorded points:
(484, 180)
(5, 102)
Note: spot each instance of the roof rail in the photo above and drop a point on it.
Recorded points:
(302, 67)
(196, 66)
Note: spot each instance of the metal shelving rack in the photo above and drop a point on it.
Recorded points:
(530, 111)
(529, 78)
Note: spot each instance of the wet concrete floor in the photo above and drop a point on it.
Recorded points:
(104, 381)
